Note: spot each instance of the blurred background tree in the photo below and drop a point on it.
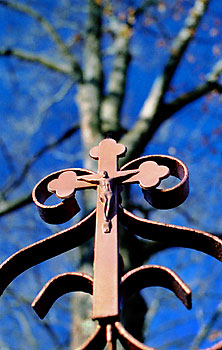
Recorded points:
(149, 74)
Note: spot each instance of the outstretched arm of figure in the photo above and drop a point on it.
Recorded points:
(89, 179)
(46, 249)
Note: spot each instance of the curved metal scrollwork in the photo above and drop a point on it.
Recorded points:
(106, 286)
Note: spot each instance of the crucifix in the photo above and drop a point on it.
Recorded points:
(107, 285)
(107, 179)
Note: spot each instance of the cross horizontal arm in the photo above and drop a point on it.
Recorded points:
(165, 198)
(148, 175)
(64, 188)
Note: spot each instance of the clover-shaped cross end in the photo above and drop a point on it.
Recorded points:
(151, 174)
(64, 186)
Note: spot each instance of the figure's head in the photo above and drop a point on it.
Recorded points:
(104, 174)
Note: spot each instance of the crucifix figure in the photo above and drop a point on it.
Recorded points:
(106, 285)
(106, 196)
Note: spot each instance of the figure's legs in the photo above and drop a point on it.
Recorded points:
(106, 199)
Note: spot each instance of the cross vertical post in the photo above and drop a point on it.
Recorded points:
(106, 267)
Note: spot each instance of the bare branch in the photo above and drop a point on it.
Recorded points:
(206, 328)
(56, 98)
(33, 58)
(49, 29)
(21, 298)
(9, 159)
(141, 9)
(183, 39)
(150, 116)
(189, 97)
(201, 90)
(90, 92)
(7, 207)
(216, 72)
(34, 158)
(112, 103)
(178, 48)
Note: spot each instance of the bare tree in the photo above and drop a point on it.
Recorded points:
(75, 62)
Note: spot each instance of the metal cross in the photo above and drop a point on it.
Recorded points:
(107, 286)
(107, 179)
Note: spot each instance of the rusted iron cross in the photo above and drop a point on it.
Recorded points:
(106, 285)
(107, 179)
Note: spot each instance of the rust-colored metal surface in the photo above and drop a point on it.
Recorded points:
(107, 286)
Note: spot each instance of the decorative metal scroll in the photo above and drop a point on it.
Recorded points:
(106, 285)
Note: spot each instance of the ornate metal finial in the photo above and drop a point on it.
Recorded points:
(106, 285)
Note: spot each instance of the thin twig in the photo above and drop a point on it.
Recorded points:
(33, 58)
(36, 157)
(206, 328)
(49, 29)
